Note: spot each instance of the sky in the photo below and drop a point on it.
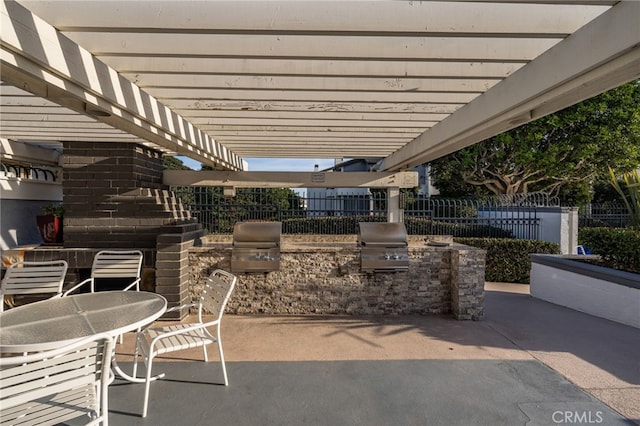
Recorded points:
(274, 164)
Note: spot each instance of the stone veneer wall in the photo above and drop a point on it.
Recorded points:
(467, 295)
(325, 278)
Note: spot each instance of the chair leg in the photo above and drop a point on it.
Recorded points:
(135, 358)
(147, 384)
(224, 368)
(204, 353)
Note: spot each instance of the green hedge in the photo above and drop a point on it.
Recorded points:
(327, 225)
(619, 247)
(426, 226)
(508, 259)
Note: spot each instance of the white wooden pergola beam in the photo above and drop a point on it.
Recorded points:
(322, 17)
(326, 131)
(7, 123)
(304, 96)
(37, 57)
(291, 142)
(395, 84)
(206, 116)
(330, 47)
(560, 77)
(310, 67)
(314, 152)
(290, 179)
(23, 152)
(355, 133)
(194, 106)
(40, 114)
(277, 122)
(47, 136)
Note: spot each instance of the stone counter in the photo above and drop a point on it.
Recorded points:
(321, 275)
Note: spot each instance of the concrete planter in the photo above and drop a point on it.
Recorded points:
(598, 291)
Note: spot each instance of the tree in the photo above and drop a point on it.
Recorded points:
(173, 163)
(630, 193)
(218, 212)
(560, 154)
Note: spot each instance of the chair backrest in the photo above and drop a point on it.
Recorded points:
(34, 278)
(215, 294)
(54, 386)
(117, 264)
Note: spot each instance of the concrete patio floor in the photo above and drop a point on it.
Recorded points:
(528, 362)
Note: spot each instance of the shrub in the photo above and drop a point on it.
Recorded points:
(56, 210)
(508, 259)
(426, 226)
(619, 247)
(327, 225)
(630, 193)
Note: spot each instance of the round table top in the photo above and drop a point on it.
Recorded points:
(51, 323)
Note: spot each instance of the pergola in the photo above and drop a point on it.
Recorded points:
(119, 83)
(216, 81)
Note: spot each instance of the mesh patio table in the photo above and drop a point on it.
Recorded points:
(55, 322)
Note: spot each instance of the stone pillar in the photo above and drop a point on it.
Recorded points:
(572, 230)
(467, 283)
(559, 225)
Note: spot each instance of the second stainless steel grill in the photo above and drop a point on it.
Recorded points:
(383, 247)
(256, 247)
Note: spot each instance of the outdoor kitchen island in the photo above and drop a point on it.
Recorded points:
(321, 274)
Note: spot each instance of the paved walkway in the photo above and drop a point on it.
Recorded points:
(529, 363)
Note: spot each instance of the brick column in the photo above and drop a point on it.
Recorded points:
(114, 197)
(172, 267)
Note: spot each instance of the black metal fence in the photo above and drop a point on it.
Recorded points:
(604, 215)
(335, 211)
(493, 217)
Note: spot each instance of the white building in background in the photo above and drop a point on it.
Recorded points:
(355, 201)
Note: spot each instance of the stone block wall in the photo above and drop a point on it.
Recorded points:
(327, 280)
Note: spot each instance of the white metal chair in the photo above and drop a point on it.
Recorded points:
(51, 387)
(33, 278)
(109, 264)
(152, 342)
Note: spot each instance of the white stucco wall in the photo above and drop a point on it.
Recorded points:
(22, 197)
(557, 224)
(586, 294)
(20, 202)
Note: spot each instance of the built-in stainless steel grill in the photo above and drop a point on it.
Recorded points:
(256, 247)
(383, 247)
